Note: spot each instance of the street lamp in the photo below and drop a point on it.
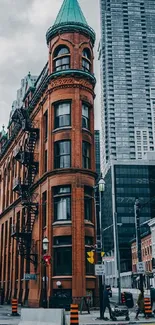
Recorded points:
(45, 244)
(101, 185)
(98, 196)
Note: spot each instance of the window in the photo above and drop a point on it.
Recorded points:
(62, 203)
(45, 125)
(86, 63)
(44, 209)
(61, 58)
(62, 114)
(45, 161)
(62, 255)
(86, 155)
(85, 116)
(62, 154)
(88, 203)
(62, 261)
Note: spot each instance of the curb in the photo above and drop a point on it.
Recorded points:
(120, 323)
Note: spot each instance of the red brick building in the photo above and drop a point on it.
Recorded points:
(146, 249)
(47, 170)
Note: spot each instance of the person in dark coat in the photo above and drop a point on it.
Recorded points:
(106, 303)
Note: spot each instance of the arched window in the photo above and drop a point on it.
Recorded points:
(86, 60)
(61, 58)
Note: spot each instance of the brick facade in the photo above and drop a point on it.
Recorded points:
(76, 87)
(146, 249)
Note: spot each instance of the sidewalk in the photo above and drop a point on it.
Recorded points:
(92, 318)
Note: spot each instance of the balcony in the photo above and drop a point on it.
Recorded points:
(14, 230)
(21, 188)
(25, 125)
(26, 158)
(17, 232)
(17, 153)
(16, 184)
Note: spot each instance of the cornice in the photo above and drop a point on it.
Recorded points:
(60, 74)
(62, 79)
(63, 171)
(70, 27)
(44, 177)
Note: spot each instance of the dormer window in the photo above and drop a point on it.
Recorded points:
(86, 60)
(61, 58)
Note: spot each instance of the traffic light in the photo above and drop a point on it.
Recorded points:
(47, 259)
(90, 259)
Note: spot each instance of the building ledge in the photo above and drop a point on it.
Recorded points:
(63, 128)
(62, 223)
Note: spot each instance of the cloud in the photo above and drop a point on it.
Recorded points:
(23, 26)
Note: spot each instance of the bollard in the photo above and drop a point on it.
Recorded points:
(74, 315)
(147, 307)
(15, 307)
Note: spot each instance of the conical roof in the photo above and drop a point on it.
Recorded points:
(70, 18)
(70, 11)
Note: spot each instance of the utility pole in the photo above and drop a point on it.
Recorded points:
(118, 260)
(98, 240)
(138, 237)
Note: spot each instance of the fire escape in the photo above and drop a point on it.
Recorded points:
(23, 233)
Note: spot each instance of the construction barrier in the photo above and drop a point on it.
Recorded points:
(147, 307)
(14, 307)
(74, 315)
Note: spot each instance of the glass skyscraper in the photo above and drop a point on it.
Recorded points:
(127, 56)
(124, 182)
(97, 152)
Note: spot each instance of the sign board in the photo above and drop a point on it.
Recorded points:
(31, 276)
(140, 267)
(99, 269)
(108, 258)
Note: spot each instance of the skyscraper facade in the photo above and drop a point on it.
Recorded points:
(97, 152)
(127, 54)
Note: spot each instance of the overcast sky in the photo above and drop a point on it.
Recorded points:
(23, 25)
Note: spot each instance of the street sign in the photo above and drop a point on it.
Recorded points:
(99, 269)
(31, 276)
(108, 258)
(140, 267)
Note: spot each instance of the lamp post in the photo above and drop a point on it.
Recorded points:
(45, 243)
(118, 259)
(99, 190)
(116, 225)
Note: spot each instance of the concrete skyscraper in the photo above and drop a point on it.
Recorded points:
(127, 54)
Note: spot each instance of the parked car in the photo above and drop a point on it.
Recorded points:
(109, 290)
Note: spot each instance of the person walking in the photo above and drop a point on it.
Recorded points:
(140, 304)
(106, 303)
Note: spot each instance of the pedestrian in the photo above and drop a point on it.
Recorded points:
(140, 304)
(106, 303)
